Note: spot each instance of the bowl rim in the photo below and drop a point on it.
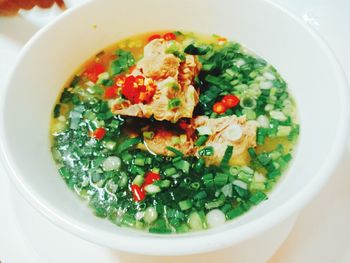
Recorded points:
(183, 244)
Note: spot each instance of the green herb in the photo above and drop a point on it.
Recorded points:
(201, 140)
(57, 111)
(194, 49)
(185, 205)
(182, 165)
(235, 213)
(148, 135)
(227, 156)
(206, 151)
(128, 144)
(257, 197)
(75, 81)
(172, 149)
(122, 63)
(174, 103)
(220, 179)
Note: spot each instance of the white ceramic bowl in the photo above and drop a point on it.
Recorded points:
(50, 58)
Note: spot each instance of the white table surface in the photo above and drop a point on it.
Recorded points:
(321, 234)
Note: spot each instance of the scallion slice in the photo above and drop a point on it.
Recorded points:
(227, 156)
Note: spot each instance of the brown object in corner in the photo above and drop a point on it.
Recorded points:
(11, 7)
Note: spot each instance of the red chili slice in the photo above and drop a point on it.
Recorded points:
(230, 101)
(99, 133)
(153, 37)
(138, 193)
(130, 90)
(169, 36)
(119, 81)
(110, 92)
(135, 90)
(150, 177)
(219, 108)
(93, 71)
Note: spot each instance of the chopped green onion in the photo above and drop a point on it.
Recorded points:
(283, 131)
(227, 156)
(195, 185)
(162, 183)
(208, 179)
(199, 165)
(159, 227)
(152, 189)
(235, 212)
(240, 184)
(182, 229)
(220, 179)
(261, 134)
(122, 63)
(227, 190)
(193, 49)
(110, 145)
(214, 204)
(170, 171)
(174, 103)
(264, 159)
(140, 161)
(257, 197)
(182, 165)
(148, 135)
(150, 215)
(128, 144)
(252, 153)
(195, 221)
(248, 102)
(278, 115)
(137, 170)
(245, 177)
(64, 172)
(123, 181)
(185, 204)
(128, 220)
(176, 151)
(201, 140)
(206, 151)
(138, 180)
(274, 174)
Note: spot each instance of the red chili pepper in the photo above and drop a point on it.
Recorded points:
(110, 92)
(135, 90)
(230, 101)
(153, 37)
(187, 127)
(119, 81)
(169, 36)
(150, 177)
(93, 71)
(138, 193)
(99, 133)
(130, 90)
(222, 39)
(183, 124)
(140, 80)
(219, 108)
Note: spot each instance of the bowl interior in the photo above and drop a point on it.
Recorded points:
(57, 51)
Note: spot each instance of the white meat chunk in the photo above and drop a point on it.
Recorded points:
(229, 130)
(174, 80)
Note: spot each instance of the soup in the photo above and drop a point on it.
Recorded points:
(172, 132)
